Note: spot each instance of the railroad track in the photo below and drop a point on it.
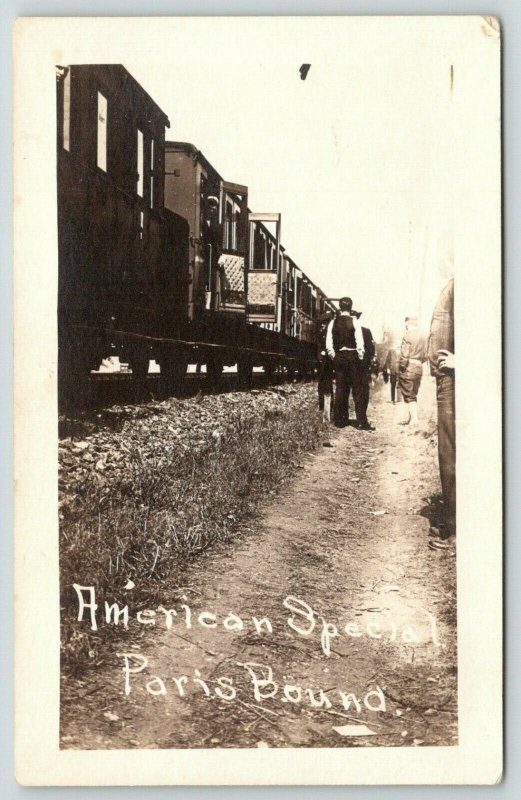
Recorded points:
(108, 388)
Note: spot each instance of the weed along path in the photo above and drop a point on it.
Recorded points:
(328, 622)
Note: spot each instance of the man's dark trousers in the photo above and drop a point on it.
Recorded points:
(445, 391)
(349, 376)
(394, 380)
(366, 386)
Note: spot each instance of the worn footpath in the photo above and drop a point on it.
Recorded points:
(329, 623)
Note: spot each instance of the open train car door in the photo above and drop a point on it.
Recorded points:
(233, 258)
(265, 272)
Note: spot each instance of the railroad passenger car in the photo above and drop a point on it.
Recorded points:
(215, 332)
(159, 256)
(122, 255)
(236, 274)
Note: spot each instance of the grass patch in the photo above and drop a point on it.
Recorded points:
(149, 521)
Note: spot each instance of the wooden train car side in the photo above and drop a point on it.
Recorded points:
(158, 254)
(121, 256)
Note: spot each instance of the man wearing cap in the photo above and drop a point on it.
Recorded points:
(410, 367)
(345, 345)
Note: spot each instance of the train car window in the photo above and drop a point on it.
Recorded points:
(102, 132)
(228, 234)
(264, 264)
(235, 225)
(66, 111)
(140, 181)
(202, 202)
(141, 224)
(151, 173)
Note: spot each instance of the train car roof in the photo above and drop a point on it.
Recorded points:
(191, 149)
(120, 71)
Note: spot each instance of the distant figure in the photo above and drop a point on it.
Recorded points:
(304, 71)
(345, 345)
(374, 371)
(391, 373)
(326, 371)
(410, 368)
(442, 362)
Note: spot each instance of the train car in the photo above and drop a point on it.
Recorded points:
(159, 256)
(217, 213)
(122, 255)
(215, 333)
(236, 302)
(278, 299)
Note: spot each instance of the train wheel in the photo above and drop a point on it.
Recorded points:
(291, 372)
(173, 373)
(245, 373)
(74, 388)
(214, 371)
(302, 372)
(75, 360)
(139, 360)
(269, 370)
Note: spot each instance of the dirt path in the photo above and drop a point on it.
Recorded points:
(346, 538)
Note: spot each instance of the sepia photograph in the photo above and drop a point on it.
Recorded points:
(261, 267)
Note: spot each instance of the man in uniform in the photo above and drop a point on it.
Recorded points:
(345, 345)
(410, 366)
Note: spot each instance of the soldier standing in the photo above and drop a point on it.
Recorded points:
(410, 366)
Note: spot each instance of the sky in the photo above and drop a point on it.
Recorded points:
(358, 158)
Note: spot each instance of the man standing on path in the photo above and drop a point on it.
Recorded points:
(410, 366)
(442, 362)
(367, 363)
(345, 345)
(391, 373)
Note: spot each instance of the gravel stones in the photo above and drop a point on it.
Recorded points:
(159, 433)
